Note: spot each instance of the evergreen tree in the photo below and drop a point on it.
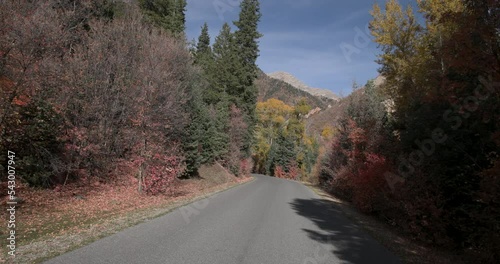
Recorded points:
(247, 49)
(206, 138)
(195, 132)
(178, 21)
(246, 38)
(282, 153)
(221, 124)
(167, 14)
(203, 49)
(208, 132)
(229, 69)
(225, 69)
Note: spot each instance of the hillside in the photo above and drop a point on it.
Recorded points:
(292, 80)
(330, 116)
(273, 88)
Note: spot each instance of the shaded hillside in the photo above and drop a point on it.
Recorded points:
(273, 88)
(328, 117)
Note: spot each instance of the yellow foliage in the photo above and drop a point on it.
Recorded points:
(408, 47)
(274, 107)
(302, 108)
(275, 118)
(404, 54)
(436, 10)
(279, 120)
(328, 132)
(272, 117)
(395, 27)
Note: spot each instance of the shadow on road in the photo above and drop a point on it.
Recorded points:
(350, 244)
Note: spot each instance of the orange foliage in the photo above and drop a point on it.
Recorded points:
(21, 100)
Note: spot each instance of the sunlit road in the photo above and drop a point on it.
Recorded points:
(267, 221)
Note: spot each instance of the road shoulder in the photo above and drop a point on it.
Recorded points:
(404, 247)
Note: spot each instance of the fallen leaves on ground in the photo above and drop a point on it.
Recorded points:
(78, 207)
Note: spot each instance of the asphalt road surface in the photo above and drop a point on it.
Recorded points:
(267, 221)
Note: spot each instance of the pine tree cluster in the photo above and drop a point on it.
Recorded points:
(223, 109)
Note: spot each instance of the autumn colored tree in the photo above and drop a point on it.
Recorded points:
(281, 141)
(272, 116)
(236, 131)
(106, 93)
(398, 32)
(431, 121)
(31, 40)
(133, 117)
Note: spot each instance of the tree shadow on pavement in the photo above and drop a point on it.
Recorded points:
(350, 244)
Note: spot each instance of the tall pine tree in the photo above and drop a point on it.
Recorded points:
(178, 20)
(203, 49)
(226, 69)
(247, 49)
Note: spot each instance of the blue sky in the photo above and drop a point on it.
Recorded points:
(325, 43)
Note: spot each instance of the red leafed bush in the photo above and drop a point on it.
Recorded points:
(358, 141)
(245, 167)
(293, 171)
(161, 173)
(292, 174)
(369, 184)
(279, 172)
(237, 127)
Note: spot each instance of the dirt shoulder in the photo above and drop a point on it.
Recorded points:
(51, 223)
(404, 247)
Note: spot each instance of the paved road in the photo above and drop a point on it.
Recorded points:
(267, 221)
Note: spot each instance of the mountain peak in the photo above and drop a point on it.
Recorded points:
(294, 81)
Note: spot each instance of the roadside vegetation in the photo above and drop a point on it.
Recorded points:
(113, 115)
(92, 87)
(421, 152)
(282, 147)
(110, 111)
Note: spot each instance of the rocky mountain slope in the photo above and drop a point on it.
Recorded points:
(273, 88)
(292, 80)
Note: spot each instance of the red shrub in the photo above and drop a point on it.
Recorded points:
(161, 173)
(279, 172)
(245, 167)
(293, 171)
(292, 174)
(369, 184)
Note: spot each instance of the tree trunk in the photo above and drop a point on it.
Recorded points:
(141, 175)
(141, 167)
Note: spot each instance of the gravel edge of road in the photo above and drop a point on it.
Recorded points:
(43, 250)
(407, 250)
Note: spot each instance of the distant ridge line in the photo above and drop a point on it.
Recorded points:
(295, 82)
